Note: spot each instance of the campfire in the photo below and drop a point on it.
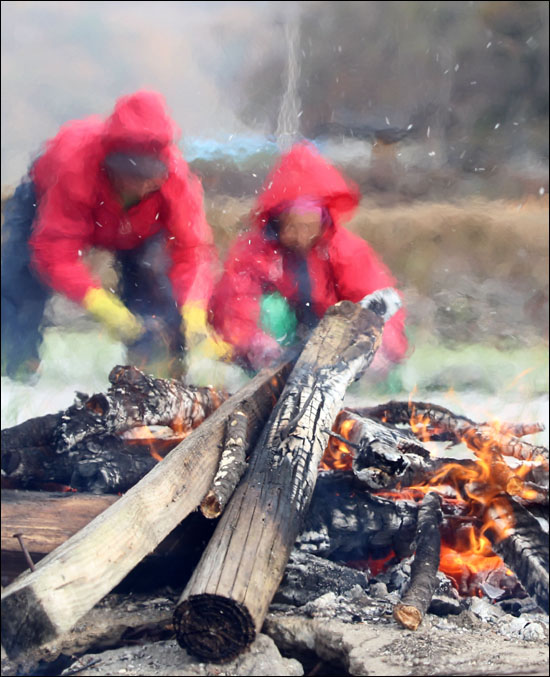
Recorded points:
(292, 475)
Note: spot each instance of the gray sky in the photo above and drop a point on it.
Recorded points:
(66, 60)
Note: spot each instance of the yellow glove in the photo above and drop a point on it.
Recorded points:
(112, 313)
(199, 337)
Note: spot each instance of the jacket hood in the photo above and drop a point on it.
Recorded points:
(139, 121)
(304, 173)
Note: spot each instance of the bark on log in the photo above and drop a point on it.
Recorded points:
(138, 399)
(381, 456)
(225, 603)
(99, 464)
(232, 466)
(41, 604)
(519, 539)
(416, 600)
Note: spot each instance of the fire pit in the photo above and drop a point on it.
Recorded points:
(343, 514)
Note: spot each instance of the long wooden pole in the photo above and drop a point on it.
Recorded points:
(69, 581)
(226, 601)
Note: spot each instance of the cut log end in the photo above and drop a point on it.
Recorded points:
(211, 506)
(213, 628)
(408, 616)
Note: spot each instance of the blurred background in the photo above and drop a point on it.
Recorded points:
(438, 110)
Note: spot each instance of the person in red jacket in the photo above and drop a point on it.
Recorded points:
(121, 184)
(298, 260)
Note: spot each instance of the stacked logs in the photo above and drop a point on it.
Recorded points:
(281, 497)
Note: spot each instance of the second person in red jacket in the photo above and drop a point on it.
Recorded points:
(297, 261)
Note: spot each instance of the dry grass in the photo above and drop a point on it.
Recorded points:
(478, 237)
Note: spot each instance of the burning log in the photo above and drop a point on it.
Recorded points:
(226, 601)
(138, 399)
(71, 579)
(79, 446)
(346, 522)
(431, 421)
(519, 539)
(415, 602)
(382, 456)
(99, 464)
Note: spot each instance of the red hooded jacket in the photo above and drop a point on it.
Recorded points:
(77, 208)
(341, 265)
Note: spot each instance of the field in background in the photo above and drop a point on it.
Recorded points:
(474, 271)
(475, 280)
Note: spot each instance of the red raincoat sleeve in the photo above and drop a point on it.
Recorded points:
(190, 243)
(62, 233)
(357, 272)
(236, 301)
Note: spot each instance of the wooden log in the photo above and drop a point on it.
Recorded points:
(346, 522)
(47, 519)
(519, 539)
(380, 455)
(416, 600)
(432, 421)
(225, 603)
(42, 604)
(138, 399)
(232, 466)
(98, 464)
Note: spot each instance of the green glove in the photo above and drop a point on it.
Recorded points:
(278, 319)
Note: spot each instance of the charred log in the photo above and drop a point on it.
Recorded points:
(438, 423)
(232, 465)
(35, 433)
(519, 539)
(138, 399)
(415, 602)
(345, 522)
(307, 577)
(99, 464)
(244, 562)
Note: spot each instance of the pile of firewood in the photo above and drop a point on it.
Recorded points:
(278, 460)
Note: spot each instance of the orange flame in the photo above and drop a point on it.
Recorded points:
(338, 456)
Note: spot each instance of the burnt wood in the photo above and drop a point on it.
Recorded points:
(519, 539)
(232, 465)
(225, 603)
(432, 421)
(70, 580)
(135, 398)
(346, 522)
(416, 600)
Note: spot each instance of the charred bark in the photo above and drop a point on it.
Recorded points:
(519, 539)
(244, 562)
(346, 522)
(138, 399)
(99, 464)
(232, 466)
(416, 600)
(381, 455)
(438, 423)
